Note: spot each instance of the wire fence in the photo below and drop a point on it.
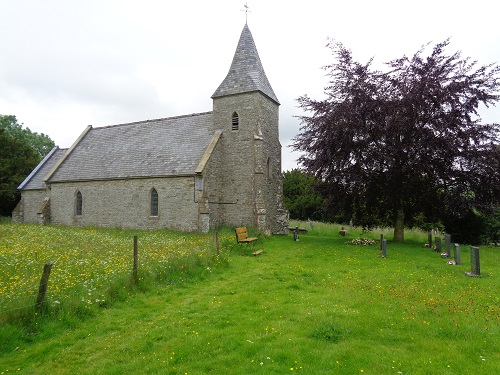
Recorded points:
(87, 264)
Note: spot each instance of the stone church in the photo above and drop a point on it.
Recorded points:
(189, 172)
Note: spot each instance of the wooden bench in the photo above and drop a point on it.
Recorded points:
(242, 238)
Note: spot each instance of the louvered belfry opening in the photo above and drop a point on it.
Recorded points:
(235, 125)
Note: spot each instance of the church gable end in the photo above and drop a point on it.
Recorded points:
(187, 172)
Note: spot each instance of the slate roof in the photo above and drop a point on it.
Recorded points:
(35, 180)
(246, 73)
(153, 148)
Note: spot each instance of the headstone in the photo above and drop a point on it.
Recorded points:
(381, 240)
(384, 248)
(457, 254)
(429, 239)
(311, 224)
(438, 245)
(447, 244)
(296, 234)
(343, 232)
(475, 270)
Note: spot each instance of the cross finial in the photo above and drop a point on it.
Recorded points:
(246, 10)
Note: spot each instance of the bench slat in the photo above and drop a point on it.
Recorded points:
(248, 239)
(242, 238)
(242, 235)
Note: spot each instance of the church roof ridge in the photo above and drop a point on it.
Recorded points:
(155, 120)
(246, 73)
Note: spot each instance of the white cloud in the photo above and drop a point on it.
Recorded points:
(66, 64)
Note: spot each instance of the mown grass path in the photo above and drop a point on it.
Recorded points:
(317, 306)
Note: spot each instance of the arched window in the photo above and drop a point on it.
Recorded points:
(154, 203)
(78, 203)
(235, 125)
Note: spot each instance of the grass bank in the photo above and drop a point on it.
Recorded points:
(315, 306)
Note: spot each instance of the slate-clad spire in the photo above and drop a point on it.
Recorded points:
(246, 73)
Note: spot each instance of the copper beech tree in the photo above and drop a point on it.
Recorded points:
(405, 142)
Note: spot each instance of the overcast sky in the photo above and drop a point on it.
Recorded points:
(68, 64)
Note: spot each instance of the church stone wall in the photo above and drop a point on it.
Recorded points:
(237, 153)
(272, 178)
(30, 204)
(250, 192)
(126, 203)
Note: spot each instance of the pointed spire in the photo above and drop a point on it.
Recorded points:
(246, 73)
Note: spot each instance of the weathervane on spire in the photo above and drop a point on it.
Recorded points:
(246, 10)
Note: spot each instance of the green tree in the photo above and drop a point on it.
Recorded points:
(41, 143)
(493, 226)
(17, 159)
(20, 151)
(300, 197)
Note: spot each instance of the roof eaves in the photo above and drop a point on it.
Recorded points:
(125, 178)
(247, 92)
(37, 168)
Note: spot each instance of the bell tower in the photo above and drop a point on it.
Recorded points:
(246, 110)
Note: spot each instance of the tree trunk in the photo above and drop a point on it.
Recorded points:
(399, 225)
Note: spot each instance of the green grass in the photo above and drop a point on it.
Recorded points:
(316, 306)
(93, 267)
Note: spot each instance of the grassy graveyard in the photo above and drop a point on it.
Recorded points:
(323, 304)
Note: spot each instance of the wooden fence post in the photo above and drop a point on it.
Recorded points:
(43, 285)
(135, 258)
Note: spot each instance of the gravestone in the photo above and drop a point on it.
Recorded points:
(429, 239)
(384, 248)
(447, 244)
(475, 270)
(296, 234)
(311, 224)
(438, 244)
(457, 254)
(381, 240)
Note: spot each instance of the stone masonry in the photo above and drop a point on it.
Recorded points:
(206, 171)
